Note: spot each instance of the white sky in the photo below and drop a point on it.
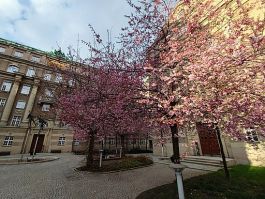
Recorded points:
(47, 24)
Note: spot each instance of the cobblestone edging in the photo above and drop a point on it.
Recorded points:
(17, 162)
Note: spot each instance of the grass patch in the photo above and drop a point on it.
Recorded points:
(246, 182)
(120, 164)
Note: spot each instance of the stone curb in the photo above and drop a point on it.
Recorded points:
(121, 170)
(39, 161)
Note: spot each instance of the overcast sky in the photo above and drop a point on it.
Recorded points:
(47, 24)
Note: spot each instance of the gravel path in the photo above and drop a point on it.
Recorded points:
(57, 180)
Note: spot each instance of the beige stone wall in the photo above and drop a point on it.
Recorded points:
(246, 153)
(17, 133)
(50, 140)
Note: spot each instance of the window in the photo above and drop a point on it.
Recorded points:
(47, 76)
(58, 78)
(48, 93)
(30, 72)
(18, 54)
(8, 141)
(16, 121)
(2, 102)
(142, 142)
(112, 141)
(2, 49)
(252, 135)
(35, 59)
(45, 107)
(71, 82)
(25, 89)
(76, 142)
(21, 104)
(6, 86)
(12, 69)
(61, 141)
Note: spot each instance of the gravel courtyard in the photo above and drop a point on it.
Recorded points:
(57, 179)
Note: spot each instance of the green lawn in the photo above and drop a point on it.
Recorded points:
(246, 183)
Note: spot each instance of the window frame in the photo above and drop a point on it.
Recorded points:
(58, 78)
(2, 102)
(6, 81)
(4, 49)
(112, 141)
(45, 109)
(61, 141)
(252, 135)
(19, 106)
(30, 73)
(35, 58)
(15, 122)
(8, 141)
(47, 75)
(18, 54)
(25, 85)
(11, 70)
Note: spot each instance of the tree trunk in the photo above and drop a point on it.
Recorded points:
(122, 145)
(218, 133)
(146, 140)
(116, 144)
(175, 142)
(89, 160)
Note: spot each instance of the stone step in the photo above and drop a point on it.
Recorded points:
(204, 160)
(216, 164)
(201, 167)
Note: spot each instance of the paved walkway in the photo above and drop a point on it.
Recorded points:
(57, 180)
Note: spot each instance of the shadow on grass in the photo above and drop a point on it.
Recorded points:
(246, 183)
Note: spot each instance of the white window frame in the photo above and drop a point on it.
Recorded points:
(35, 59)
(21, 104)
(61, 141)
(16, 121)
(48, 93)
(58, 78)
(2, 49)
(2, 102)
(252, 135)
(6, 86)
(46, 107)
(18, 54)
(30, 72)
(47, 76)
(8, 141)
(25, 90)
(12, 69)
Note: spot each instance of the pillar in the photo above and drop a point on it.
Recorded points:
(10, 101)
(31, 100)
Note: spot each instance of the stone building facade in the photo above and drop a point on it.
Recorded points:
(26, 86)
(22, 72)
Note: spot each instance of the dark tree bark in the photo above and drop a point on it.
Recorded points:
(175, 142)
(90, 151)
(122, 145)
(218, 133)
(116, 144)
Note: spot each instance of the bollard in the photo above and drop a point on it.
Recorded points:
(178, 168)
(120, 151)
(100, 157)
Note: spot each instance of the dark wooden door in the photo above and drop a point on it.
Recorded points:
(208, 140)
(39, 143)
